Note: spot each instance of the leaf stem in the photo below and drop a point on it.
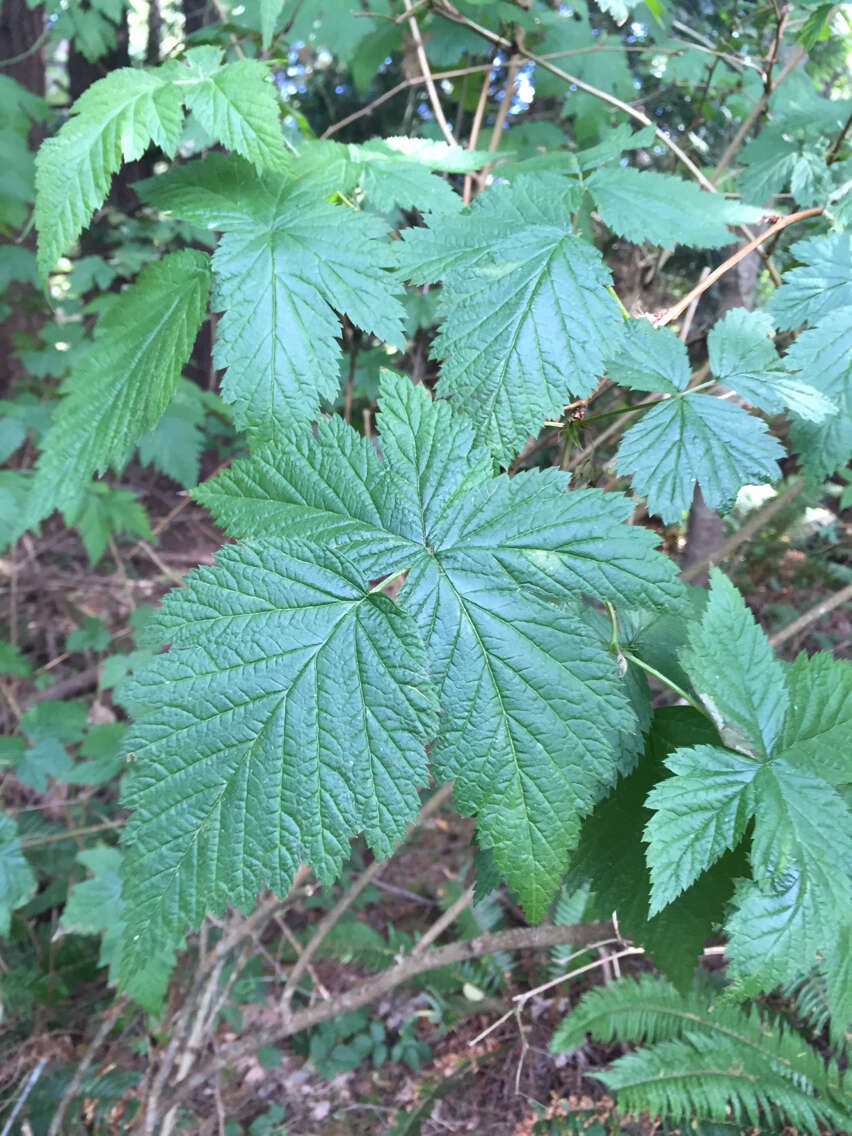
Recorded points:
(670, 683)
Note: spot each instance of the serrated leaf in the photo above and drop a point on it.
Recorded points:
(801, 892)
(700, 813)
(17, 882)
(287, 263)
(823, 356)
(101, 511)
(819, 286)
(290, 713)
(665, 210)
(696, 439)
(117, 117)
(237, 105)
(743, 357)
(610, 857)
(735, 672)
(174, 445)
(689, 437)
(12, 662)
(125, 381)
(652, 359)
(819, 719)
(286, 626)
(525, 311)
(95, 906)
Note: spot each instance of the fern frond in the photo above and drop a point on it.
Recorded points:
(713, 1078)
(652, 1011)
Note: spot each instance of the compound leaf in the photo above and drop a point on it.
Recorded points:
(287, 263)
(689, 437)
(819, 286)
(743, 357)
(524, 307)
(823, 355)
(124, 383)
(251, 752)
(291, 713)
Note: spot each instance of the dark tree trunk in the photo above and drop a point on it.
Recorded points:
(22, 39)
(197, 14)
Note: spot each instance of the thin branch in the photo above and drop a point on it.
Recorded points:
(447, 919)
(83, 1066)
(31, 50)
(347, 899)
(363, 993)
(746, 531)
(832, 154)
(25, 1092)
(454, 16)
(476, 125)
(435, 102)
(782, 223)
(811, 616)
(458, 73)
(753, 115)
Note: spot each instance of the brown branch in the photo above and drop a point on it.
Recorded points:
(476, 125)
(752, 116)
(426, 71)
(457, 73)
(83, 1066)
(348, 898)
(454, 16)
(811, 616)
(675, 310)
(516, 939)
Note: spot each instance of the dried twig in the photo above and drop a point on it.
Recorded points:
(426, 71)
(811, 616)
(82, 1068)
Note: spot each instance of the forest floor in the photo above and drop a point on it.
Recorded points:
(502, 1084)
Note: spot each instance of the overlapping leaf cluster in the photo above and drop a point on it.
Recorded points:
(293, 708)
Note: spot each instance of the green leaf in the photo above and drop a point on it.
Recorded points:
(687, 438)
(823, 354)
(525, 311)
(283, 651)
(44, 758)
(17, 882)
(610, 857)
(735, 672)
(96, 907)
(743, 357)
(270, 12)
(696, 439)
(709, 1078)
(12, 662)
(102, 511)
(820, 286)
(287, 263)
(125, 381)
(92, 634)
(115, 118)
(273, 747)
(62, 721)
(800, 895)
(235, 104)
(666, 210)
(174, 445)
(819, 719)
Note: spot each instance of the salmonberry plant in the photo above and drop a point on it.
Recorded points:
(413, 597)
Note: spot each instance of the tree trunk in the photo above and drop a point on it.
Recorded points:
(22, 38)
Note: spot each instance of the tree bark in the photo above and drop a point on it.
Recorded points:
(22, 39)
